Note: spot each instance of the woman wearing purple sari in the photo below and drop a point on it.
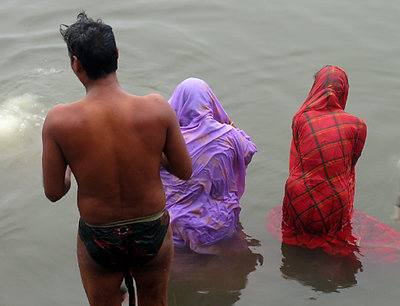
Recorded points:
(205, 209)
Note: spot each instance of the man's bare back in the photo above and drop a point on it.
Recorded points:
(114, 143)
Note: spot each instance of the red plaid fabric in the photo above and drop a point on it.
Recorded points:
(326, 145)
(372, 239)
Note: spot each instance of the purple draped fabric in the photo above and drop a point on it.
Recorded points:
(205, 209)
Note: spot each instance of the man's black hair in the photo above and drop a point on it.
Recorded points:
(93, 43)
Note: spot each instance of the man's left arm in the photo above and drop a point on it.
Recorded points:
(56, 172)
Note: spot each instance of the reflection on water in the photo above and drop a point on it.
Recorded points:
(321, 271)
(198, 279)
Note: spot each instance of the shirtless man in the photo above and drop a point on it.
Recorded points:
(114, 144)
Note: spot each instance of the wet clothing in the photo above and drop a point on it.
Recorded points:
(125, 244)
(374, 240)
(326, 145)
(317, 209)
(205, 209)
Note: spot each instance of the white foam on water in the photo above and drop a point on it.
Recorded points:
(8, 124)
(46, 71)
(18, 114)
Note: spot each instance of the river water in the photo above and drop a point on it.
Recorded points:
(259, 57)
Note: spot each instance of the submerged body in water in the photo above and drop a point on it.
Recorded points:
(317, 209)
(205, 209)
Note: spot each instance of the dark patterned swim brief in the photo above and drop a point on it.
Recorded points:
(127, 243)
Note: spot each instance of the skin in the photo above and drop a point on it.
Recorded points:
(114, 143)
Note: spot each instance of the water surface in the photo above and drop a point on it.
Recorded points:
(259, 57)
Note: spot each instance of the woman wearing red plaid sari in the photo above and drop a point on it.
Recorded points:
(317, 209)
(326, 145)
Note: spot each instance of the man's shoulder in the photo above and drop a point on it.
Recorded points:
(158, 104)
(62, 108)
(56, 112)
(60, 113)
(155, 98)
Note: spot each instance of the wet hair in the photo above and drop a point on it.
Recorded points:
(93, 43)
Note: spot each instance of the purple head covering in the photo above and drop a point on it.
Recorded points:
(193, 101)
(205, 209)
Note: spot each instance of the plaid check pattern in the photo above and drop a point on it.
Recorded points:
(326, 145)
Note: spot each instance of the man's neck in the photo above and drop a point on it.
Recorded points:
(106, 84)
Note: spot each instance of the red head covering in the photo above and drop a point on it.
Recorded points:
(329, 90)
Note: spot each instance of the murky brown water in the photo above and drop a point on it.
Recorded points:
(259, 57)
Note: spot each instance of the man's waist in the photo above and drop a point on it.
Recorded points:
(148, 218)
